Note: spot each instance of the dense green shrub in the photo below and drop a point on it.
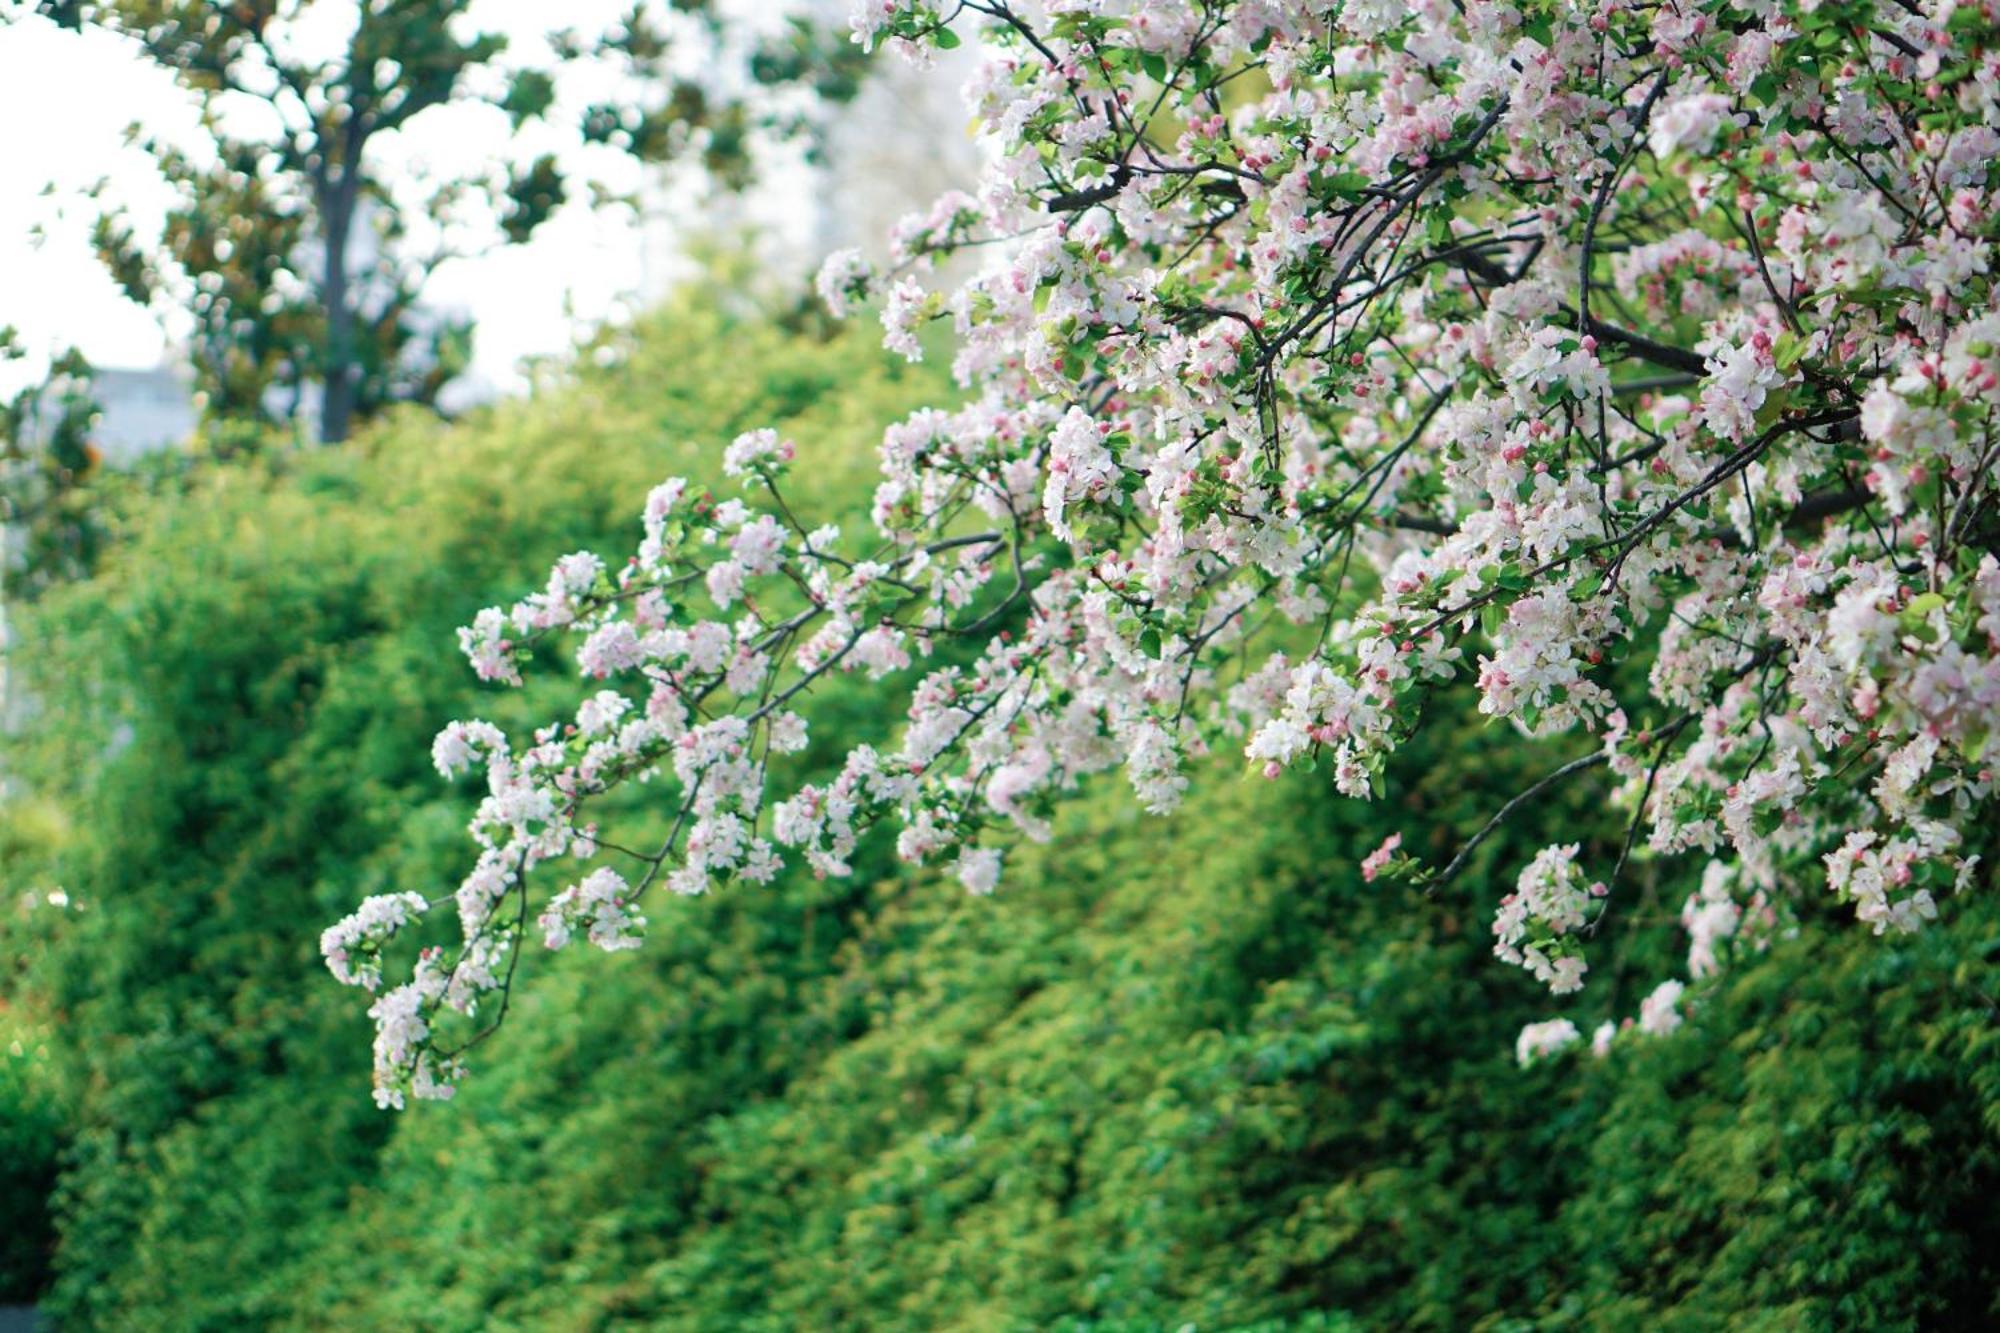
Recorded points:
(231, 723)
(31, 1123)
(1199, 1073)
(1185, 1071)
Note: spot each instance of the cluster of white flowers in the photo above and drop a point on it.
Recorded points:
(843, 280)
(599, 907)
(352, 946)
(1543, 1039)
(1493, 346)
(1659, 1016)
(1536, 923)
(757, 451)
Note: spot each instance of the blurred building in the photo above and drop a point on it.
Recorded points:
(140, 411)
(903, 142)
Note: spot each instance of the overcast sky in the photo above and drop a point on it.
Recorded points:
(66, 98)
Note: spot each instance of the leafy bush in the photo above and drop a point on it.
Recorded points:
(31, 1122)
(232, 722)
(1195, 1071)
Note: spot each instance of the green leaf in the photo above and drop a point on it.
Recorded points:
(1773, 408)
(1344, 184)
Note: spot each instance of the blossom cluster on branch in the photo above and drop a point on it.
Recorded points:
(1632, 366)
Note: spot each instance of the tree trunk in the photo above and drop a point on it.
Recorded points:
(337, 393)
(338, 196)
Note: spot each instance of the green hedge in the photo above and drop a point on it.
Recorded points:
(1181, 1071)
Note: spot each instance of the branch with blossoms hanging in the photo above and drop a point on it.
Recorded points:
(1327, 357)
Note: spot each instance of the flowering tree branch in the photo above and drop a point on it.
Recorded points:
(1329, 358)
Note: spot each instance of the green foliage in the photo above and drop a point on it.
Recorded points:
(232, 721)
(46, 461)
(31, 1124)
(1826, 1140)
(1193, 1072)
(1186, 1071)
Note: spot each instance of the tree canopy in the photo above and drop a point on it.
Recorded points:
(302, 261)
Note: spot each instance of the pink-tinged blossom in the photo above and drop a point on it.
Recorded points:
(485, 644)
(482, 890)
(979, 870)
(611, 648)
(1877, 879)
(575, 574)
(1740, 379)
(843, 280)
(1556, 361)
(908, 305)
(599, 906)
(757, 451)
(759, 546)
(1538, 1041)
(400, 1030)
(1659, 1012)
(1688, 124)
(352, 947)
(1709, 917)
(600, 712)
(1080, 467)
(870, 20)
(461, 744)
(1373, 863)
(788, 733)
(1537, 923)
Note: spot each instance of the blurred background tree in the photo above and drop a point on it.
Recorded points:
(302, 259)
(48, 530)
